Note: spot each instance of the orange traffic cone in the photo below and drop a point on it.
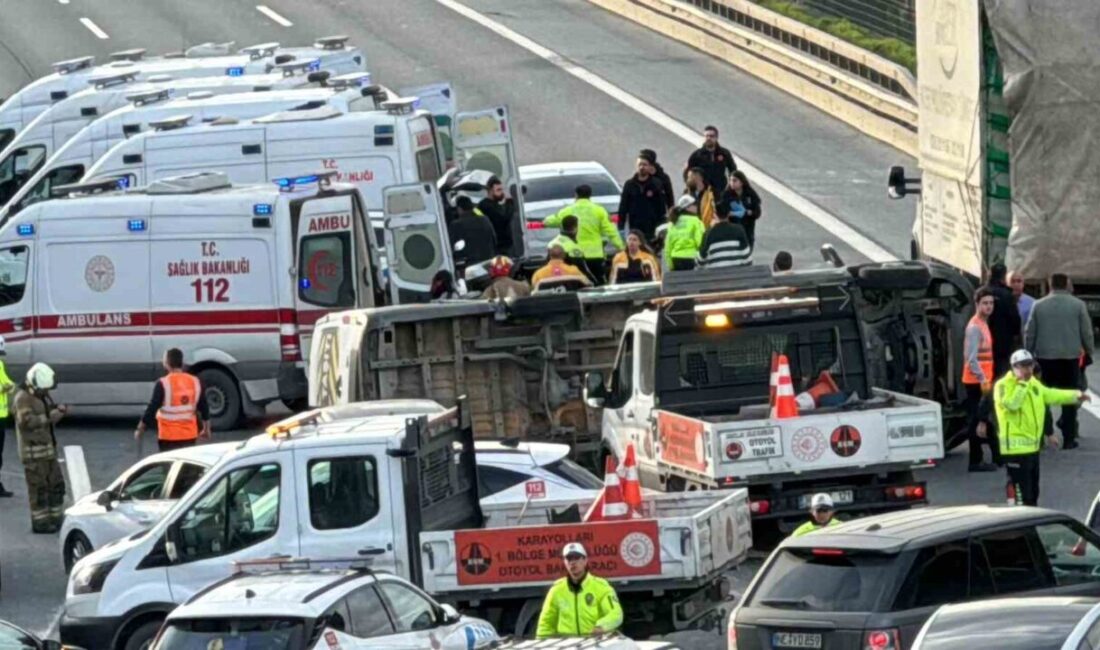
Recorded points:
(609, 506)
(784, 405)
(810, 399)
(631, 486)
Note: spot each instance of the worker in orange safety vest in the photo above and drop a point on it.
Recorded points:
(977, 379)
(178, 407)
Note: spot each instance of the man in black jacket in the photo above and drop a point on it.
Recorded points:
(475, 230)
(1004, 323)
(501, 210)
(658, 172)
(643, 203)
(715, 160)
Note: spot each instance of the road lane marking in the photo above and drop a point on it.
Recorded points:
(270, 13)
(807, 208)
(55, 623)
(94, 28)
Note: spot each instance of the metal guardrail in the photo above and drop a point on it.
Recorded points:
(794, 57)
(837, 52)
(891, 18)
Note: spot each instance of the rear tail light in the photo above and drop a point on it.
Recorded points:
(905, 493)
(760, 506)
(289, 343)
(731, 633)
(615, 219)
(535, 225)
(882, 640)
(828, 552)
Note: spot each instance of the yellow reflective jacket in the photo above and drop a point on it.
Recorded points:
(1021, 412)
(7, 387)
(812, 525)
(593, 225)
(576, 612)
(684, 238)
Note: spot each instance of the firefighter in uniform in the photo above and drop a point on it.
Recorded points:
(821, 515)
(1021, 402)
(580, 604)
(178, 407)
(35, 416)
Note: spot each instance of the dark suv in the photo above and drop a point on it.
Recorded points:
(870, 584)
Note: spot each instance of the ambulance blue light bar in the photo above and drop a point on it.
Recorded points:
(25, 229)
(305, 284)
(261, 209)
(123, 182)
(315, 65)
(136, 225)
(290, 182)
(234, 72)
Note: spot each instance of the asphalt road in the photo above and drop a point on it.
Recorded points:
(600, 90)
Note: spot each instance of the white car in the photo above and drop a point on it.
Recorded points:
(317, 609)
(548, 187)
(544, 467)
(135, 500)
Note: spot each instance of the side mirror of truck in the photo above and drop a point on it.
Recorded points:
(898, 186)
(594, 390)
(107, 499)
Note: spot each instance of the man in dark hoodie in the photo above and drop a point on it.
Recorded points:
(501, 210)
(643, 203)
(1004, 323)
(715, 160)
(657, 171)
(475, 230)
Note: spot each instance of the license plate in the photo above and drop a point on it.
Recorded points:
(840, 498)
(795, 640)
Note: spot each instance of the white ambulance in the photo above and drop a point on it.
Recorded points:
(72, 76)
(99, 285)
(372, 150)
(33, 175)
(106, 93)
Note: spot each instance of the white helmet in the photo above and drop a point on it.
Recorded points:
(41, 376)
(3, 347)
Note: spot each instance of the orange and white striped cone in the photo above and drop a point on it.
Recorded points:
(631, 486)
(609, 505)
(785, 405)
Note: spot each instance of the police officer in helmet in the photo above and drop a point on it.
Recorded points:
(580, 604)
(822, 515)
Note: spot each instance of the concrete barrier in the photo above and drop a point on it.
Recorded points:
(863, 105)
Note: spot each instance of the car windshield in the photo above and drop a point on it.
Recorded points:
(557, 188)
(993, 626)
(824, 580)
(234, 634)
(575, 474)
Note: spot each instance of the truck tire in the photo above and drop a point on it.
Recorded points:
(296, 405)
(223, 398)
(894, 276)
(527, 621)
(142, 638)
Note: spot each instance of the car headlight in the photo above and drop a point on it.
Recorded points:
(89, 579)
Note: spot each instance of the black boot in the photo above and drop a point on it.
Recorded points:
(5, 493)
